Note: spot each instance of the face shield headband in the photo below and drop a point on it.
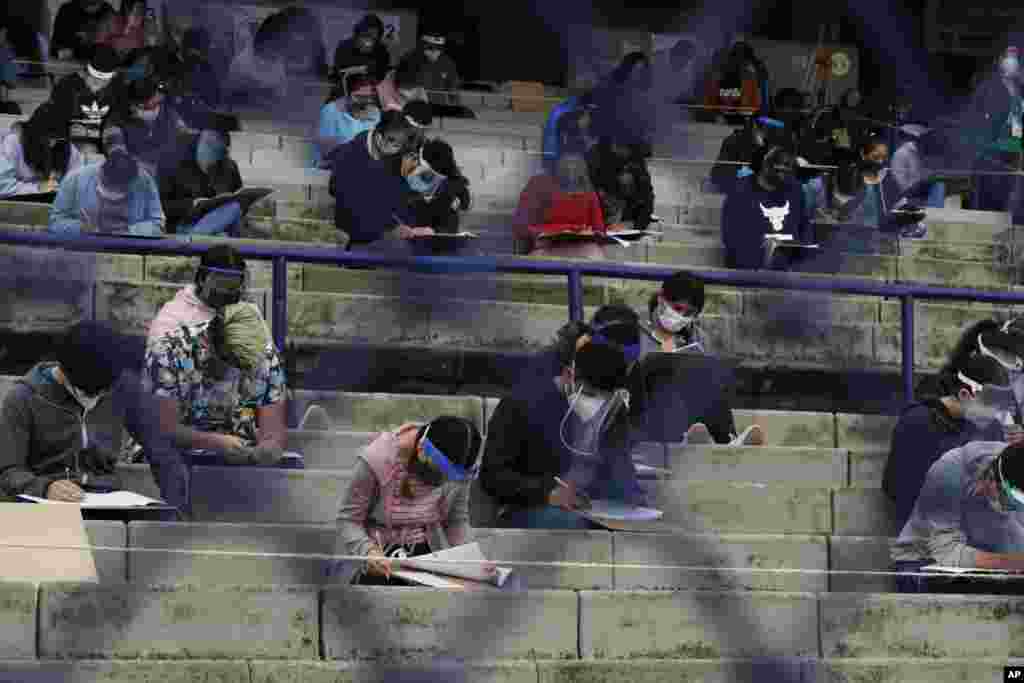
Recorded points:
(631, 351)
(438, 459)
(1015, 495)
(1008, 360)
(600, 418)
(222, 286)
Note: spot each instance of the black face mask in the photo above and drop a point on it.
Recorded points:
(871, 166)
(426, 473)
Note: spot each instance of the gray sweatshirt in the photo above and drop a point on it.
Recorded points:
(950, 523)
(43, 431)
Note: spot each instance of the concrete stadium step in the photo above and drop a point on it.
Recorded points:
(904, 670)
(281, 554)
(372, 413)
(273, 496)
(233, 622)
(865, 626)
(541, 624)
(499, 545)
(718, 555)
(860, 554)
(588, 636)
(397, 316)
(797, 466)
(629, 624)
(723, 507)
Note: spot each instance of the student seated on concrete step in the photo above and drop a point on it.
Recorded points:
(969, 514)
(219, 381)
(673, 326)
(368, 183)
(149, 127)
(436, 72)
(365, 48)
(557, 442)
(352, 109)
(439, 191)
(114, 196)
(620, 176)
(206, 172)
(552, 205)
(60, 426)
(83, 100)
(409, 496)
(36, 155)
(974, 402)
(765, 206)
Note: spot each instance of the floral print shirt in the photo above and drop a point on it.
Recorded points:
(176, 368)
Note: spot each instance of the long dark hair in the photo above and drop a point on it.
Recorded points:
(44, 143)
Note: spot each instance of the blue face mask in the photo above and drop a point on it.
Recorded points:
(209, 154)
(424, 181)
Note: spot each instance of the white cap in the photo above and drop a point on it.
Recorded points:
(99, 75)
(434, 40)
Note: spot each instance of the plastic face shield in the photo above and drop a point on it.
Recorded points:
(1007, 359)
(222, 286)
(450, 470)
(995, 396)
(1013, 494)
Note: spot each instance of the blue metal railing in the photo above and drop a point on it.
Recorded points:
(280, 256)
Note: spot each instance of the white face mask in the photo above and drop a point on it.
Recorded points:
(586, 407)
(671, 320)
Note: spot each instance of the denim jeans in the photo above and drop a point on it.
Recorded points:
(221, 221)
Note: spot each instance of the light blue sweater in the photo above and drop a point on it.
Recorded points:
(16, 177)
(337, 127)
(140, 213)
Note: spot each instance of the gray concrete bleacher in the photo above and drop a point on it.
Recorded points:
(809, 500)
(778, 506)
(535, 635)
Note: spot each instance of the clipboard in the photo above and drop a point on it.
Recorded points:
(37, 198)
(247, 196)
(446, 236)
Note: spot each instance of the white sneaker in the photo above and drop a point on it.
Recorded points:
(316, 418)
(751, 436)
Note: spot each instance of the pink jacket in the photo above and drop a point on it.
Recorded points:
(184, 309)
(373, 506)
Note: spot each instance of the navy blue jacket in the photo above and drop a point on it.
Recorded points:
(924, 433)
(745, 221)
(368, 193)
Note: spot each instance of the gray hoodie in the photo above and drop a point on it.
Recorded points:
(950, 522)
(43, 432)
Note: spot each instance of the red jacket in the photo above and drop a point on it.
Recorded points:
(544, 208)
